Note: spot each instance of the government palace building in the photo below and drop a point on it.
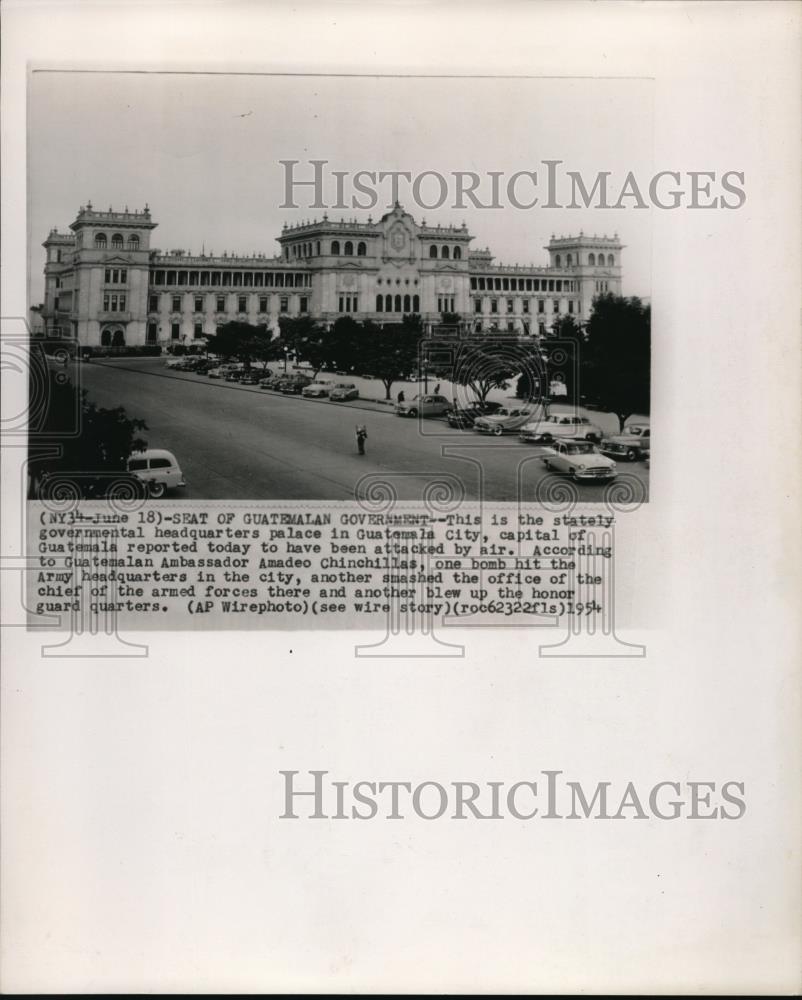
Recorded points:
(105, 286)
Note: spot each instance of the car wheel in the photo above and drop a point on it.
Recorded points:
(546, 438)
(413, 413)
(156, 490)
(574, 475)
(498, 430)
(631, 455)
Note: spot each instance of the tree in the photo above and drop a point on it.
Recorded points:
(483, 362)
(103, 443)
(306, 339)
(389, 352)
(616, 368)
(243, 341)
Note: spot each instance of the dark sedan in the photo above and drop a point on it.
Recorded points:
(464, 416)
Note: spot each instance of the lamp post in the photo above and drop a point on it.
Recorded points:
(286, 355)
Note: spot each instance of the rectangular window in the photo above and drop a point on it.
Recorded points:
(473, 284)
(221, 303)
(176, 303)
(494, 305)
(174, 331)
(122, 303)
(198, 303)
(556, 305)
(153, 303)
(242, 304)
(152, 333)
(285, 304)
(559, 287)
(106, 303)
(114, 303)
(198, 329)
(509, 305)
(107, 277)
(123, 276)
(540, 306)
(305, 304)
(570, 305)
(526, 305)
(477, 305)
(55, 302)
(262, 303)
(529, 284)
(551, 285)
(342, 304)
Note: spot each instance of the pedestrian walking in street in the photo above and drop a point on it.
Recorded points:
(437, 389)
(401, 396)
(361, 435)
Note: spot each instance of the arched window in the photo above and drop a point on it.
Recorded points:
(116, 242)
(398, 304)
(105, 338)
(569, 260)
(610, 260)
(457, 253)
(133, 242)
(118, 340)
(444, 253)
(349, 249)
(558, 261)
(361, 250)
(335, 247)
(592, 258)
(432, 251)
(100, 241)
(416, 303)
(388, 303)
(407, 304)
(379, 304)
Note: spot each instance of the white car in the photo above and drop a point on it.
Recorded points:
(560, 425)
(579, 459)
(158, 469)
(505, 420)
(321, 387)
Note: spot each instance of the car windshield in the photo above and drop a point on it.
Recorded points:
(580, 449)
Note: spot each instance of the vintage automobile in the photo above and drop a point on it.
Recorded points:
(632, 444)
(294, 385)
(464, 416)
(221, 371)
(317, 389)
(579, 459)
(251, 377)
(272, 381)
(343, 391)
(158, 469)
(505, 420)
(427, 405)
(560, 425)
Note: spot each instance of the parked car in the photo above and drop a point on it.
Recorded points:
(158, 469)
(317, 389)
(464, 416)
(66, 486)
(221, 371)
(250, 378)
(428, 405)
(235, 374)
(632, 444)
(560, 425)
(174, 362)
(294, 385)
(343, 391)
(579, 459)
(272, 381)
(504, 421)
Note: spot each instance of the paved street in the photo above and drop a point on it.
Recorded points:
(244, 443)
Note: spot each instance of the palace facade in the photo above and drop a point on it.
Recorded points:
(106, 286)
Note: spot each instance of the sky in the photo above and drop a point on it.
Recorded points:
(204, 150)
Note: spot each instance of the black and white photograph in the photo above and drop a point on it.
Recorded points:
(353, 640)
(291, 282)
